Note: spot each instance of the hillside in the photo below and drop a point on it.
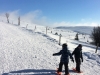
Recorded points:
(79, 29)
(29, 52)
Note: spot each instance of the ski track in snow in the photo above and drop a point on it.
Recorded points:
(25, 52)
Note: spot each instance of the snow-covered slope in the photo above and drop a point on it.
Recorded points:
(25, 51)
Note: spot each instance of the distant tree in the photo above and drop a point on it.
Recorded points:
(95, 35)
(56, 33)
(7, 16)
(19, 20)
(84, 37)
(76, 37)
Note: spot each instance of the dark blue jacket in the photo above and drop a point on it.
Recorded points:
(65, 53)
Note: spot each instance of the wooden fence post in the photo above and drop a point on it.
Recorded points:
(26, 26)
(46, 30)
(35, 27)
(97, 47)
(60, 39)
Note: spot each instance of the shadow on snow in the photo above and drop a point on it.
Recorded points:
(33, 72)
(86, 45)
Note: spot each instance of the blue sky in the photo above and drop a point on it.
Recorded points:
(56, 12)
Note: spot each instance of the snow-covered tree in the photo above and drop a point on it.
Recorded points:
(76, 37)
(7, 16)
(19, 20)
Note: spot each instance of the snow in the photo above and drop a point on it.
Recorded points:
(80, 29)
(29, 51)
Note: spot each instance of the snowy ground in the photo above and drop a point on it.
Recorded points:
(29, 52)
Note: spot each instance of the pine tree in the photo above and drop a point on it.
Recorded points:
(76, 37)
(95, 35)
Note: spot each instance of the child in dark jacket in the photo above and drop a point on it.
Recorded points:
(78, 57)
(65, 53)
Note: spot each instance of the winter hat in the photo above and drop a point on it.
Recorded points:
(79, 45)
(64, 45)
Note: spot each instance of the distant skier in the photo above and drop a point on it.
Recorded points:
(65, 53)
(78, 57)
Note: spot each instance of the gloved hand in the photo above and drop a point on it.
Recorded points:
(53, 54)
(82, 60)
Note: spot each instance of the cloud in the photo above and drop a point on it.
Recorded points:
(74, 24)
(13, 16)
(31, 16)
(61, 23)
(35, 17)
